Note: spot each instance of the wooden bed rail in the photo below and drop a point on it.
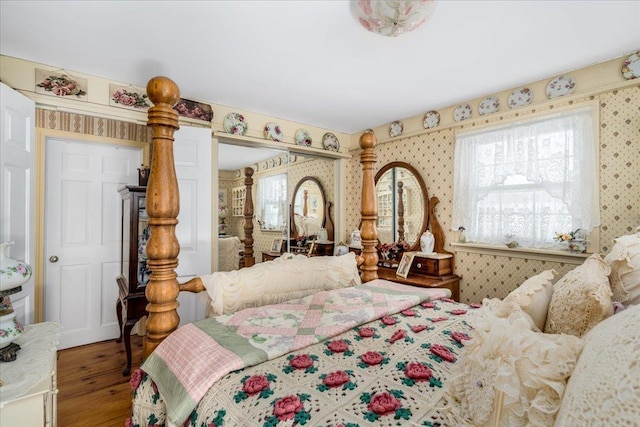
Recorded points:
(163, 206)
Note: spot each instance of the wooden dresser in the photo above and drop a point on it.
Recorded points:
(451, 281)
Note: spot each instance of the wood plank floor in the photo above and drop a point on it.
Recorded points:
(92, 390)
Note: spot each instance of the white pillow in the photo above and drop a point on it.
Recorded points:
(510, 375)
(533, 296)
(604, 388)
(624, 260)
(285, 278)
(581, 299)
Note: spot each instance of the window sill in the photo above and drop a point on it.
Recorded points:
(549, 255)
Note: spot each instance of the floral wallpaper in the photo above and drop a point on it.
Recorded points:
(488, 276)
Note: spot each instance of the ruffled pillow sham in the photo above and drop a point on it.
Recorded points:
(285, 278)
(510, 375)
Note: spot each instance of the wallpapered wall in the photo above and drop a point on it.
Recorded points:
(488, 276)
(322, 169)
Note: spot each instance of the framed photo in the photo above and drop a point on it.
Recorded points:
(405, 264)
(222, 197)
(276, 246)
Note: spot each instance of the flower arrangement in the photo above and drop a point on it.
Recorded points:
(565, 237)
(390, 251)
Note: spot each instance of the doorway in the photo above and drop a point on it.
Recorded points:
(82, 235)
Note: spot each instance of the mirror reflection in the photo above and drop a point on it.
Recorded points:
(402, 204)
(308, 207)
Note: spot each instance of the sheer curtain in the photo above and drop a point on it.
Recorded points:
(272, 201)
(528, 179)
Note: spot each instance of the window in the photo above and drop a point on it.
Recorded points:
(528, 179)
(272, 202)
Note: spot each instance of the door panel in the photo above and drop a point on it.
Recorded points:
(17, 197)
(192, 153)
(83, 223)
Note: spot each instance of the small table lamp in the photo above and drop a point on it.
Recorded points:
(13, 274)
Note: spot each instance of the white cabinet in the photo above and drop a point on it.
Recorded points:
(29, 394)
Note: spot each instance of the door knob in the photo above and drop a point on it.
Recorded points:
(53, 258)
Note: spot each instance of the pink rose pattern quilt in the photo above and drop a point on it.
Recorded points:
(375, 354)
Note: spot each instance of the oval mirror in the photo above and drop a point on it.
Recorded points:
(403, 204)
(309, 208)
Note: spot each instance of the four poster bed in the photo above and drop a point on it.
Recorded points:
(373, 352)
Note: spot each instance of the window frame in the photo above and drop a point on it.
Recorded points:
(543, 253)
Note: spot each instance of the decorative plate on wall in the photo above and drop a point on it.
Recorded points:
(489, 105)
(431, 119)
(277, 161)
(519, 97)
(271, 163)
(462, 112)
(561, 86)
(330, 142)
(272, 132)
(263, 165)
(631, 66)
(303, 138)
(395, 129)
(234, 123)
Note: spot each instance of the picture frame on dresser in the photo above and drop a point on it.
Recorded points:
(276, 245)
(405, 264)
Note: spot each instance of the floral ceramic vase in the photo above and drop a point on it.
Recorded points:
(13, 273)
(427, 242)
(577, 246)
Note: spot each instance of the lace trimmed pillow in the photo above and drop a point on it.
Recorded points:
(624, 260)
(604, 387)
(581, 299)
(510, 375)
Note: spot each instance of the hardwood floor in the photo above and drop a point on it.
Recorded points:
(92, 390)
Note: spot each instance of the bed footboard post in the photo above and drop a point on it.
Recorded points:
(163, 206)
(369, 208)
(249, 258)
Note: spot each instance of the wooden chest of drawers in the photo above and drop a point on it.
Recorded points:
(441, 266)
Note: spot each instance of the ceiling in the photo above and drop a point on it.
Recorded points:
(310, 61)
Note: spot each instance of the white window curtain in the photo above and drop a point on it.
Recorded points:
(272, 202)
(529, 179)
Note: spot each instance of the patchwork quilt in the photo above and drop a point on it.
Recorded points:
(374, 354)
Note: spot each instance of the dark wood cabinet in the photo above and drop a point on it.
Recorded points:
(134, 274)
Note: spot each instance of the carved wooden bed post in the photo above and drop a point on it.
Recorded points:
(163, 206)
(249, 259)
(400, 212)
(369, 208)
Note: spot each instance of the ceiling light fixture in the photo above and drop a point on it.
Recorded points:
(392, 18)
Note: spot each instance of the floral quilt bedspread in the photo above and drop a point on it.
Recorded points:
(378, 353)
